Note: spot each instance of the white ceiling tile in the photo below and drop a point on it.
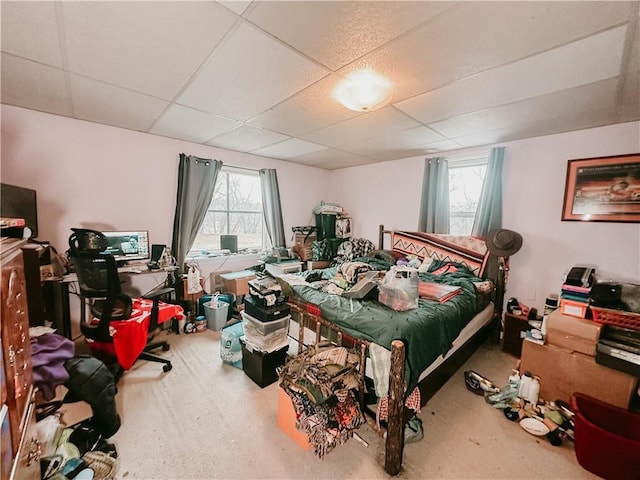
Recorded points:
(394, 145)
(311, 109)
(367, 125)
(475, 36)
(103, 103)
(149, 47)
(442, 146)
(289, 148)
(20, 20)
(236, 6)
(338, 35)
(190, 124)
(634, 56)
(246, 138)
(630, 98)
(248, 74)
(533, 112)
(33, 85)
(592, 59)
(331, 159)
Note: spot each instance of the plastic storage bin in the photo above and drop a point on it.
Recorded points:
(265, 314)
(262, 367)
(607, 438)
(216, 317)
(265, 336)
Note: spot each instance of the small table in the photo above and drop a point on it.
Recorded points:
(511, 339)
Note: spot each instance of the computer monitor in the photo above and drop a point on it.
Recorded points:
(18, 202)
(128, 246)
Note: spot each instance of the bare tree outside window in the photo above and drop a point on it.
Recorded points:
(465, 186)
(236, 209)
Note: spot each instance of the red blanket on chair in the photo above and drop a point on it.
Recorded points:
(130, 336)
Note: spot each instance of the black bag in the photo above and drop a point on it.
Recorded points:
(90, 380)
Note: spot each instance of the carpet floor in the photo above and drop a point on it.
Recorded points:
(208, 420)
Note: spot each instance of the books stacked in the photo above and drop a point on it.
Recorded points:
(574, 300)
(437, 291)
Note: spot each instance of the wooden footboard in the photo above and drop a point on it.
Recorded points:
(395, 424)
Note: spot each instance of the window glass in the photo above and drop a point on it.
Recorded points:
(465, 185)
(236, 209)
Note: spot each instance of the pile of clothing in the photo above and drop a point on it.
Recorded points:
(322, 383)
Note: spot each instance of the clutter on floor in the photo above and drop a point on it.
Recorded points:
(519, 400)
(79, 452)
(322, 383)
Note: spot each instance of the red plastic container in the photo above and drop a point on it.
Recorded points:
(607, 438)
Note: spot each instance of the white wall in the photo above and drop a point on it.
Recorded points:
(534, 176)
(92, 175)
(74, 166)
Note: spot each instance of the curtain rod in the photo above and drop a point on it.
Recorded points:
(240, 168)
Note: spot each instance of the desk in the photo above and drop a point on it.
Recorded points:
(62, 309)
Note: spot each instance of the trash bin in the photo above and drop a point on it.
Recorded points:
(216, 315)
(326, 225)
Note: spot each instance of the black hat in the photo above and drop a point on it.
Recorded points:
(503, 243)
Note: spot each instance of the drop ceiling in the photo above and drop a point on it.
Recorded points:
(257, 77)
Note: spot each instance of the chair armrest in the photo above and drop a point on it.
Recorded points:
(153, 294)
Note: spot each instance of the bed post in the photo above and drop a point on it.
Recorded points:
(503, 269)
(395, 421)
(381, 237)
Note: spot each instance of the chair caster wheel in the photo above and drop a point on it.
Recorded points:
(167, 367)
(166, 347)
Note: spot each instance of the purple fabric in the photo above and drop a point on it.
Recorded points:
(48, 354)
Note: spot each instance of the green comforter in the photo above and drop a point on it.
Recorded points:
(427, 331)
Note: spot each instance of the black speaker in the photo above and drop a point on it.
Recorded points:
(156, 255)
(156, 252)
(229, 242)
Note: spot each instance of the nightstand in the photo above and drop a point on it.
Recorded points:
(513, 326)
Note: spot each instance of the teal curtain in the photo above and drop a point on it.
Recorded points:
(271, 206)
(196, 182)
(489, 212)
(434, 205)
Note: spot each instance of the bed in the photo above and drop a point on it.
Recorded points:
(427, 344)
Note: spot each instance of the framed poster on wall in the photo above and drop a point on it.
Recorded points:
(605, 189)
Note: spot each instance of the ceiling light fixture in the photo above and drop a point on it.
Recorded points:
(364, 91)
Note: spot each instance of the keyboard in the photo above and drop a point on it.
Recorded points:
(132, 269)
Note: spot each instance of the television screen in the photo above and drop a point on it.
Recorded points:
(124, 246)
(18, 202)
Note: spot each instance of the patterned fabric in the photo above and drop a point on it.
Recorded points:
(470, 251)
(352, 249)
(322, 383)
(412, 402)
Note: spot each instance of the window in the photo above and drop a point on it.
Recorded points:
(236, 209)
(465, 185)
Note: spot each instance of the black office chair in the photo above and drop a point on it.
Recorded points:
(100, 286)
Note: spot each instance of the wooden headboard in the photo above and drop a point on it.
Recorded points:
(468, 250)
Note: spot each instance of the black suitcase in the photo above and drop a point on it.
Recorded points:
(265, 314)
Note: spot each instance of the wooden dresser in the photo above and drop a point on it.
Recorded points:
(20, 448)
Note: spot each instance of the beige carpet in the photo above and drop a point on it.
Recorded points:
(206, 419)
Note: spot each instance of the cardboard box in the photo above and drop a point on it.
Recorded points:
(238, 282)
(563, 372)
(317, 265)
(302, 245)
(572, 333)
(287, 420)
